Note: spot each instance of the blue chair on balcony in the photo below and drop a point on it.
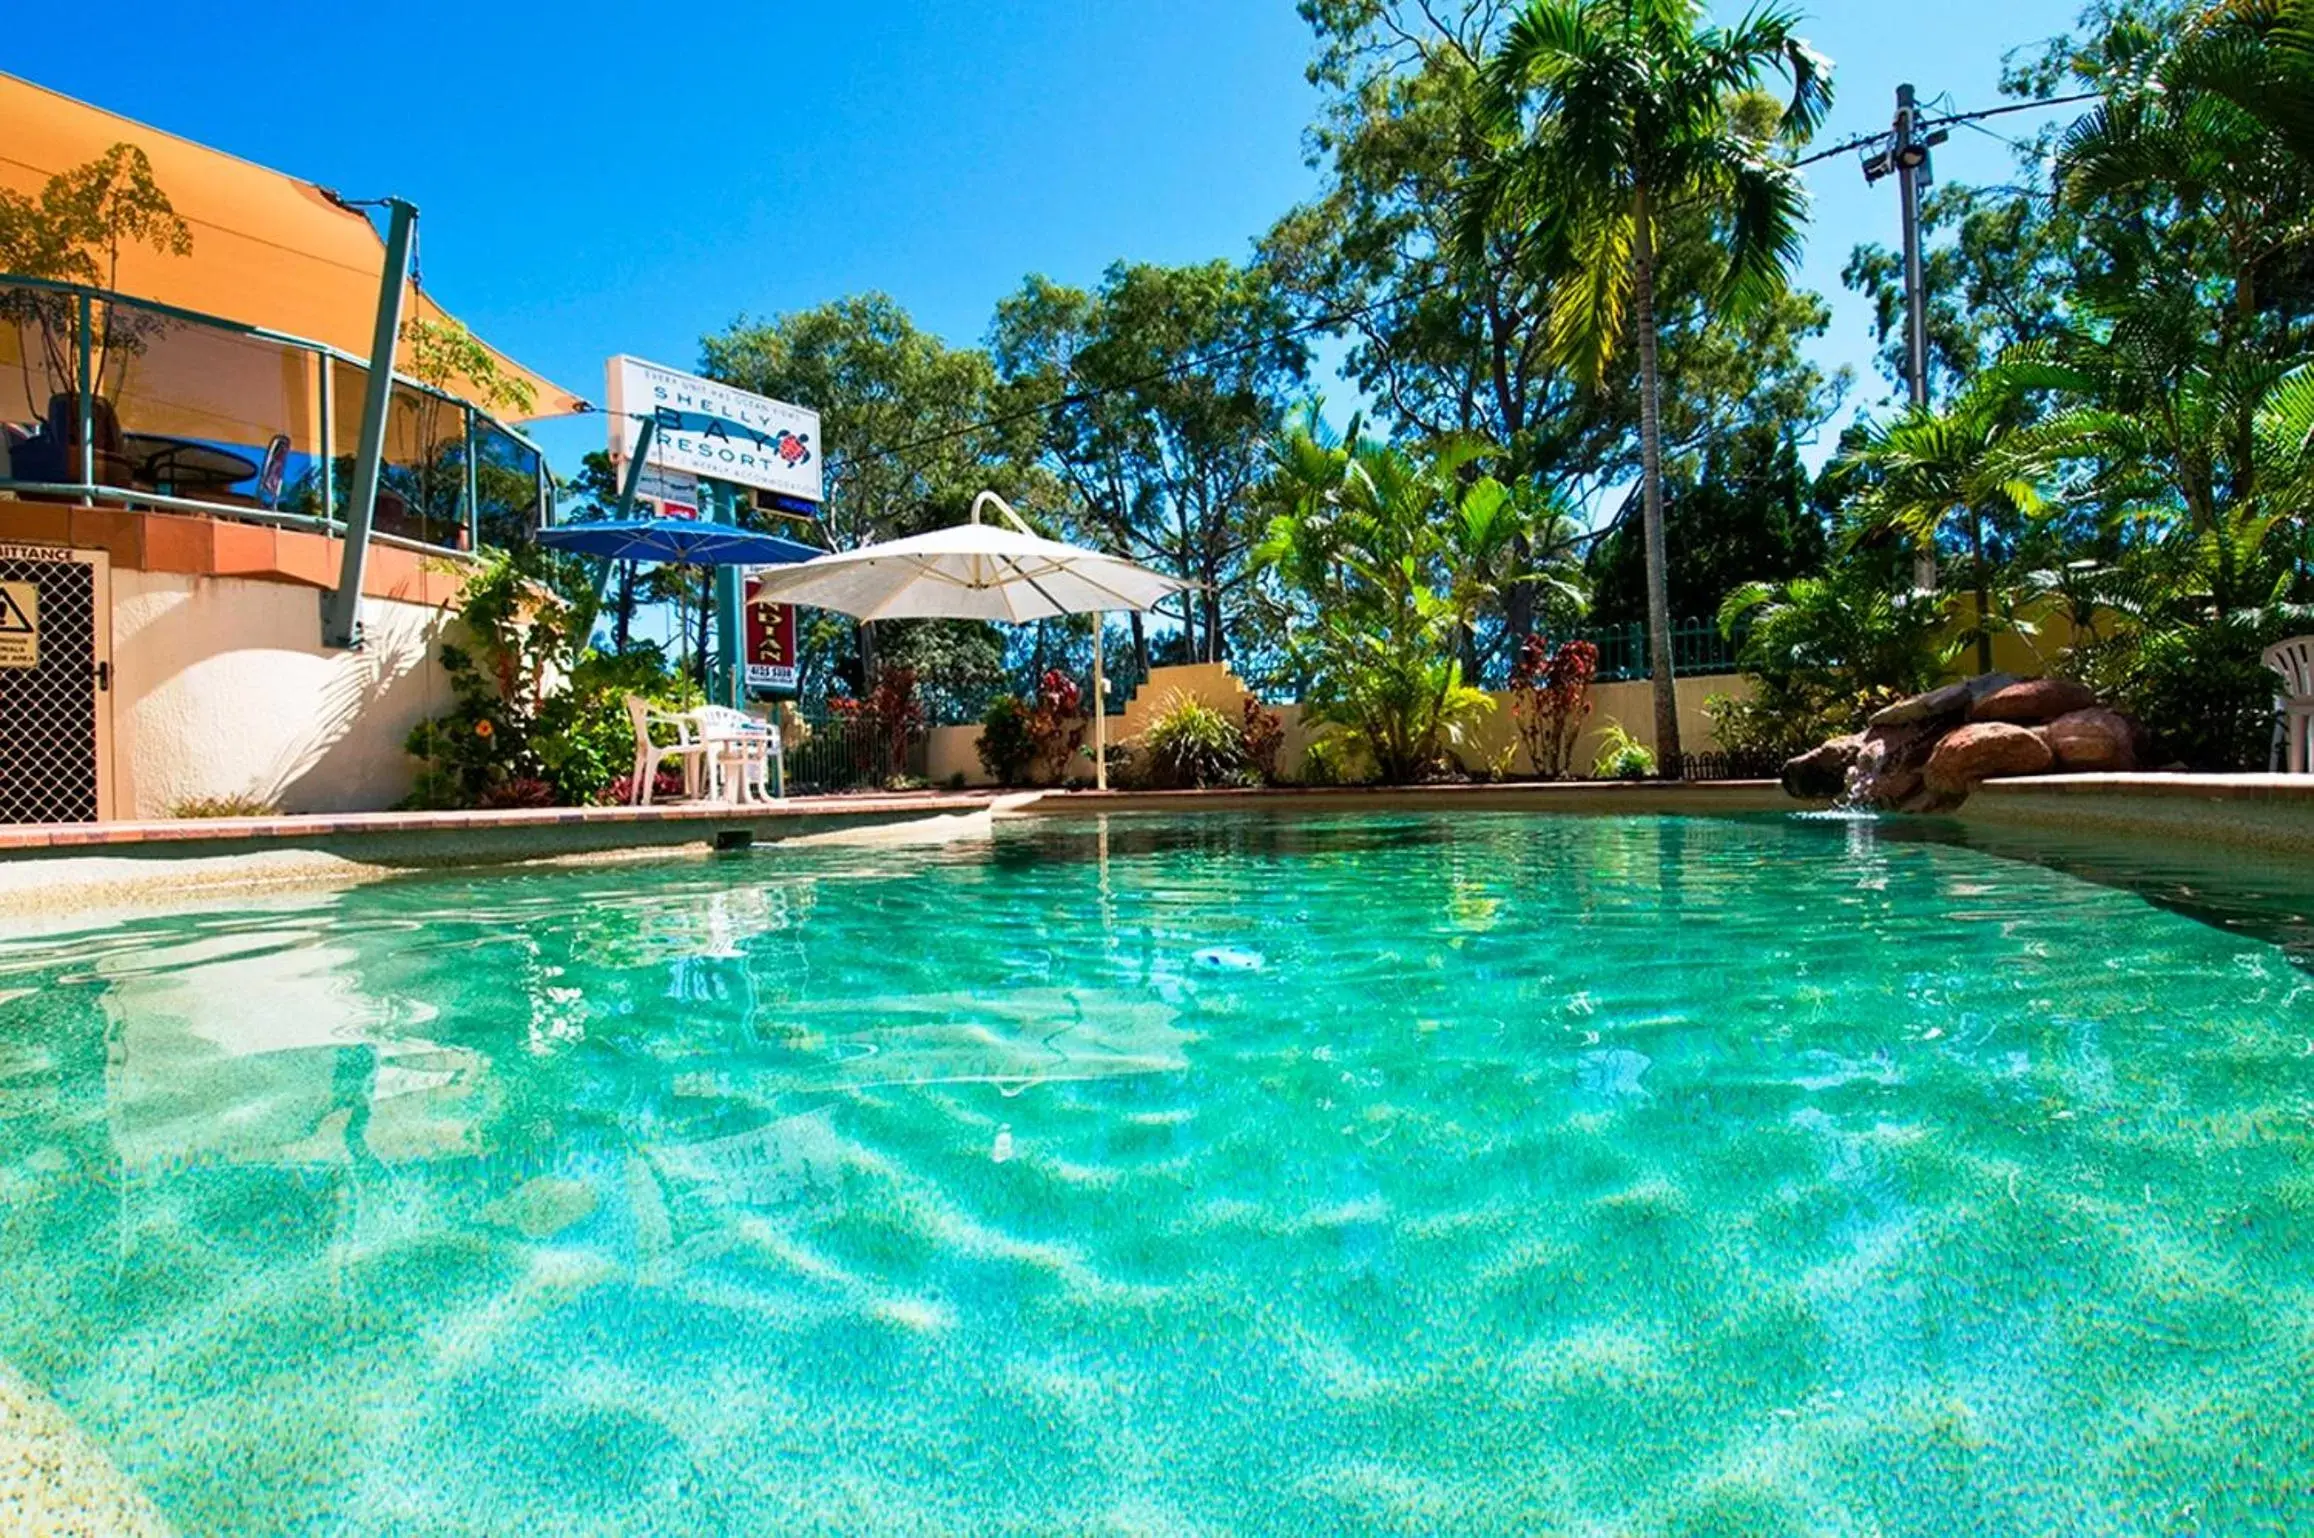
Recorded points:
(32, 455)
(112, 461)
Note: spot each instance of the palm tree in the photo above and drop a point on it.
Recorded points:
(1926, 467)
(1613, 120)
(2258, 55)
(1388, 556)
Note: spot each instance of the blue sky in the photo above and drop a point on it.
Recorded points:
(597, 179)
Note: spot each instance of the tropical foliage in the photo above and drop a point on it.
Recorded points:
(1007, 742)
(1827, 650)
(1612, 121)
(2123, 463)
(537, 718)
(1550, 697)
(1191, 745)
(884, 723)
(1550, 243)
(1383, 559)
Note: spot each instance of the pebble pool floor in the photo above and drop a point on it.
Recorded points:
(1410, 1174)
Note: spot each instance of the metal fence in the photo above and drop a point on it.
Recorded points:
(1730, 766)
(834, 753)
(1697, 649)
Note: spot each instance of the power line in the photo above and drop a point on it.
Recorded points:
(1866, 141)
(2019, 145)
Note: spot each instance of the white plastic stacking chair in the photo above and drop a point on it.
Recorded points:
(649, 754)
(736, 740)
(2294, 661)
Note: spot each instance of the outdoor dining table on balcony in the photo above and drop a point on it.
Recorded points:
(179, 466)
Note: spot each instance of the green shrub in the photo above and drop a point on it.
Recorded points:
(1621, 755)
(2202, 689)
(1336, 758)
(1828, 650)
(1384, 559)
(1006, 746)
(584, 737)
(1192, 745)
(534, 720)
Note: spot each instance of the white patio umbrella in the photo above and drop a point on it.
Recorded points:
(978, 571)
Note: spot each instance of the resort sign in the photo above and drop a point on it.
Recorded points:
(713, 431)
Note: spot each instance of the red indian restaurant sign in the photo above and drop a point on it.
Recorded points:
(771, 650)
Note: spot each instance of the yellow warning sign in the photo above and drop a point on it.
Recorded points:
(19, 625)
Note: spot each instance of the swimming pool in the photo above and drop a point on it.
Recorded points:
(1481, 1173)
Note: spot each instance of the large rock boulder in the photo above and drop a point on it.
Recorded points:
(1984, 750)
(1889, 766)
(2033, 701)
(1948, 706)
(2086, 741)
(1821, 773)
(1950, 703)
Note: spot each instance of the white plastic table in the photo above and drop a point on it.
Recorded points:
(739, 753)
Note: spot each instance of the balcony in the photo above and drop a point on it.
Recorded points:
(111, 402)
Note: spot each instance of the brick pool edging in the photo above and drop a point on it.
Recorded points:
(76, 867)
(2273, 813)
(607, 827)
(67, 866)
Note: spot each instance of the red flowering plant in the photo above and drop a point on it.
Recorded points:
(883, 723)
(1262, 733)
(1056, 723)
(1550, 699)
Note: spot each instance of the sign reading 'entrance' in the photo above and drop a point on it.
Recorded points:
(19, 625)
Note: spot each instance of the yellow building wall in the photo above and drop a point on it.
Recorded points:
(951, 751)
(2037, 648)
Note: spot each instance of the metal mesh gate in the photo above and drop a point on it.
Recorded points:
(48, 712)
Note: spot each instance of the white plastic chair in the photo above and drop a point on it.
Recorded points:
(734, 738)
(649, 755)
(2294, 661)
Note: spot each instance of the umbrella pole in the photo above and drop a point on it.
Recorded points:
(1100, 713)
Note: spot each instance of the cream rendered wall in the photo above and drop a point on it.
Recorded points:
(950, 750)
(221, 687)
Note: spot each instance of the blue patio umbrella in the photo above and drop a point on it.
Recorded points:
(689, 542)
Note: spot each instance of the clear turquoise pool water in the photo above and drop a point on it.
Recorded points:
(1486, 1174)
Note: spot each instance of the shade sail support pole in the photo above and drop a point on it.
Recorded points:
(341, 621)
(328, 445)
(1100, 711)
(631, 484)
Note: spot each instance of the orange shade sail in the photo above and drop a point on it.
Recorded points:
(268, 250)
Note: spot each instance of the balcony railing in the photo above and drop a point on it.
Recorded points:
(106, 400)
